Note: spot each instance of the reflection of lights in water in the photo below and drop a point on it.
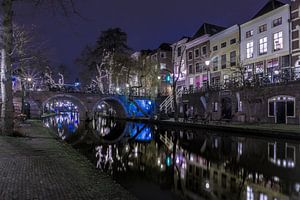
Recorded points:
(136, 151)
(158, 161)
(207, 186)
(126, 148)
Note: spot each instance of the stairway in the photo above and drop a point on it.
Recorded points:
(168, 103)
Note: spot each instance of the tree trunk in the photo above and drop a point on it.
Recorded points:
(7, 114)
(174, 92)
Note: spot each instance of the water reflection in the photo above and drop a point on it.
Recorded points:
(66, 123)
(161, 162)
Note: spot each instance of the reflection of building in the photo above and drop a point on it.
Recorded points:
(239, 168)
(265, 43)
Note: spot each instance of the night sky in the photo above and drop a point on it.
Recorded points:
(147, 22)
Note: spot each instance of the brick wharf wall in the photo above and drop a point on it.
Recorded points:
(254, 103)
(295, 18)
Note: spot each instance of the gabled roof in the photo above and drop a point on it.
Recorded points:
(271, 5)
(209, 29)
(165, 47)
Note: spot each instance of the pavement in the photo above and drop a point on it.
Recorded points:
(39, 166)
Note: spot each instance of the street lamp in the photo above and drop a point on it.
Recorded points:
(207, 63)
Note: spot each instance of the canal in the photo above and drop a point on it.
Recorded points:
(160, 162)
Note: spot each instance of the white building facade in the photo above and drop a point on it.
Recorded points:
(265, 46)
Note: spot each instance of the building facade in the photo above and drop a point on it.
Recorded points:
(265, 44)
(295, 37)
(224, 56)
(197, 53)
(179, 61)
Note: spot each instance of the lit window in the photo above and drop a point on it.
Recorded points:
(215, 106)
(277, 22)
(278, 41)
(263, 46)
(163, 66)
(250, 193)
(263, 196)
(191, 81)
(249, 49)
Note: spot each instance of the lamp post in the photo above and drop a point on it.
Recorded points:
(207, 63)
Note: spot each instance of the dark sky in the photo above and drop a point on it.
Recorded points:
(147, 22)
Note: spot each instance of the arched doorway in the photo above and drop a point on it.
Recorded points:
(226, 108)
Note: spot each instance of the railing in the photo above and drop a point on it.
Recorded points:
(168, 103)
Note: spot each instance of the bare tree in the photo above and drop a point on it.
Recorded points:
(7, 113)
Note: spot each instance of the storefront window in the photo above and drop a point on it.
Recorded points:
(248, 72)
(273, 70)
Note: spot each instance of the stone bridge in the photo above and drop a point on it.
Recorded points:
(87, 103)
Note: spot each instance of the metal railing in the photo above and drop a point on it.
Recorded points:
(168, 103)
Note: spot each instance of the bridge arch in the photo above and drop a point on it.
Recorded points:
(82, 109)
(116, 102)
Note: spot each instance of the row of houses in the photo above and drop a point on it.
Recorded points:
(263, 49)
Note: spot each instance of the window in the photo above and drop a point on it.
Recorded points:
(272, 151)
(197, 53)
(163, 55)
(250, 193)
(249, 34)
(259, 68)
(290, 108)
(178, 51)
(215, 106)
(271, 109)
(248, 71)
(190, 55)
(204, 50)
(232, 58)
(198, 68)
(223, 61)
(278, 41)
(191, 69)
(215, 64)
(249, 49)
(215, 48)
(263, 46)
(233, 41)
(262, 28)
(277, 22)
(191, 81)
(223, 180)
(263, 196)
(163, 65)
(223, 45)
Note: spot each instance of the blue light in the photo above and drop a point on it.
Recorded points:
(168, 161)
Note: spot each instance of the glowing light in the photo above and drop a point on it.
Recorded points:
(207, 62)
(207, 186)
(29, 79)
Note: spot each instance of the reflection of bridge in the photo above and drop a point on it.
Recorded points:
(88, 103)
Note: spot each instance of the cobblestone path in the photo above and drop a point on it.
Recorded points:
(41, 167)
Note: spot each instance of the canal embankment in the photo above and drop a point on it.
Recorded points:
(37, 165)
(255, 129)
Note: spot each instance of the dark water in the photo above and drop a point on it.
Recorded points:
(155, 162)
